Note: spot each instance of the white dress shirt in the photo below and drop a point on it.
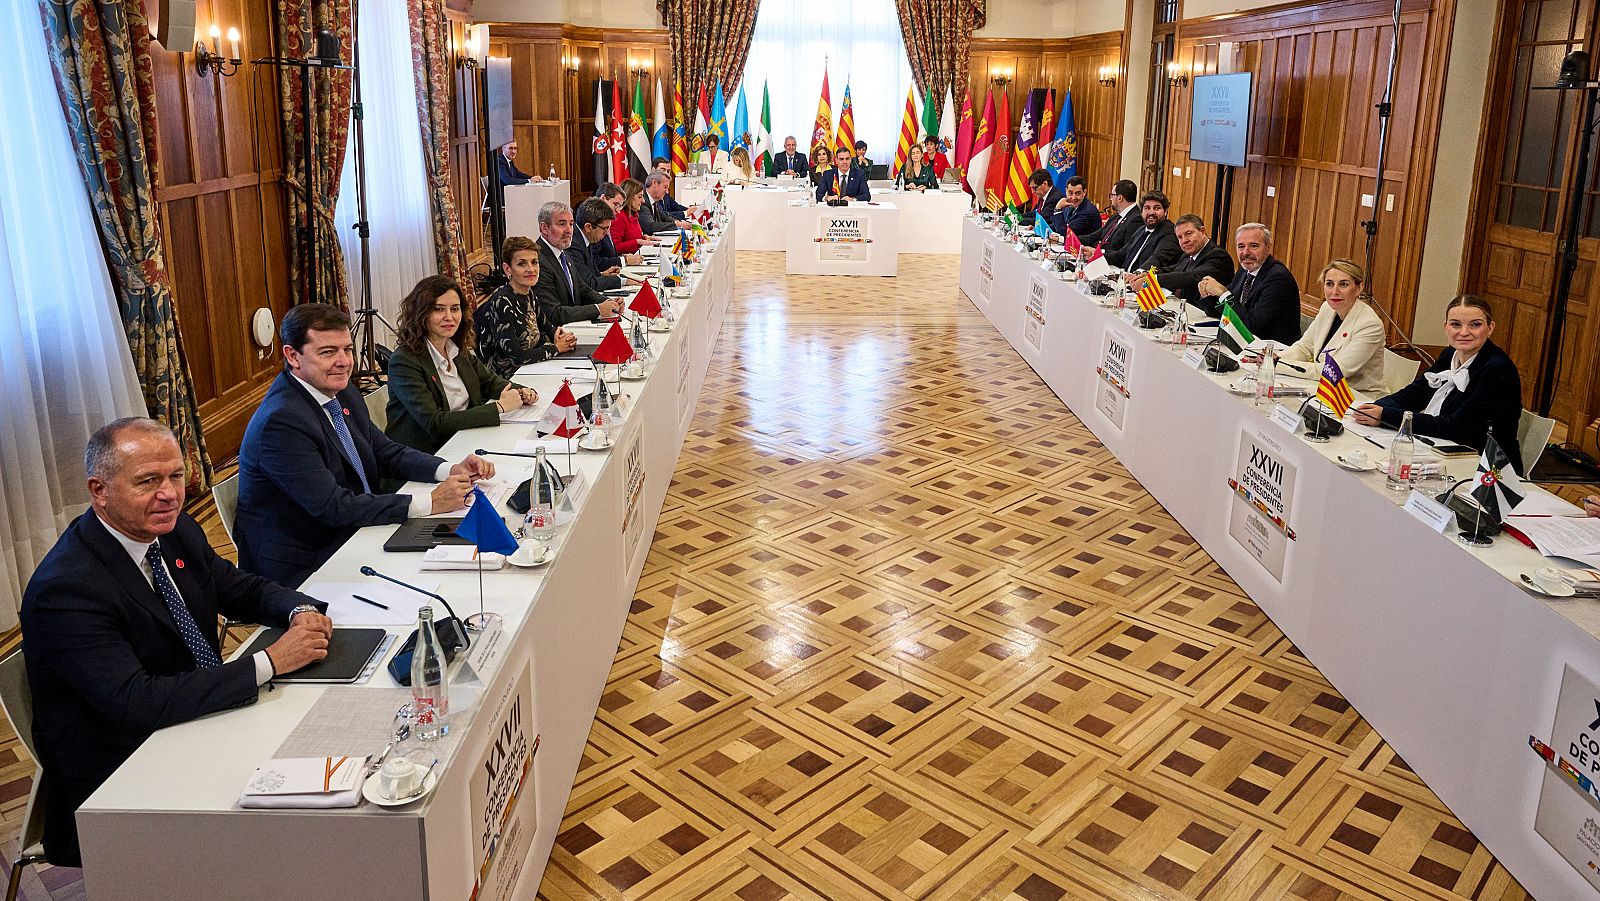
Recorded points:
(421, 504)
(455, 390)
(136, 550)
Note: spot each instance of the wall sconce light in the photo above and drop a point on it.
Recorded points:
(1108, 76)
(474, 50)
(640, 69)
(1001, 77)
(569, 64)
(210, 59)
(1176, 77)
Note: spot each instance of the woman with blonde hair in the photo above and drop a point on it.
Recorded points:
(740, 170)
(1346, 327)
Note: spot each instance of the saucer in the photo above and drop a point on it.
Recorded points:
(372, 790)
(1566, 591)
(634, 378)
(595, 447)
(526, 560)
(1353, 466)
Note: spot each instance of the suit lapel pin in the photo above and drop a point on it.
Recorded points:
(346, 410)
(178, 562)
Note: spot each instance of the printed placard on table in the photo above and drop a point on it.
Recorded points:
(1115, 368)
(1033, 327)
(1568, 815)
(633, 474)
(986, 271)
(1263, 498)
(843, 236)
(686, 398)
(503, 824)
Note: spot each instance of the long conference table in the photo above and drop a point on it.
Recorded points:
(1431, 641)
(168, 823)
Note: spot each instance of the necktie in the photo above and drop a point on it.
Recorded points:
(568, 273)
(1244, 291)
(346, 443)
(1133, 258)
(204, 656)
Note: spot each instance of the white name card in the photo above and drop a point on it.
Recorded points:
(1435, 515)
(577, 489)
(1194, 358)
(1285, 418)
(1130, 315)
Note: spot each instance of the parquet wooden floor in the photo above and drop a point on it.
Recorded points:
(907, 630)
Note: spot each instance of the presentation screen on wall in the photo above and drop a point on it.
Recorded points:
(499, 101)
(1221, 119)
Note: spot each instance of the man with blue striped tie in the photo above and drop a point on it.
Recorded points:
(313, 467)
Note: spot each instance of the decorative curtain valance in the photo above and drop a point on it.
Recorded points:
(938, 36)
(710, 40)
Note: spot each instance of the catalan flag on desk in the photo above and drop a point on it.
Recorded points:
(1150, 296)
(1333, 389)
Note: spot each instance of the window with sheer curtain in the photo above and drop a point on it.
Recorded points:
(398, 206)
(64, 364)
(858, 41)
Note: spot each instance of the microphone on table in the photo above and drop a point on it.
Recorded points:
(452, 635)
(484, 453)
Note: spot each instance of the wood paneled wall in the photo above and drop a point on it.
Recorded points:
(553, 109)
(1060, 63)
(466, 153)
(1319, 70)
(222, 211)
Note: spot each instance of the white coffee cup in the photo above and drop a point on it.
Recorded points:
(1357, 457)
(530, 552)
(1550, 579)
(399, 777)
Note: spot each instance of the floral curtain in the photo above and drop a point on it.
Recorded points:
(430, 59)
(710, 40)
(938, 36)
(297, 22)
(100, 54)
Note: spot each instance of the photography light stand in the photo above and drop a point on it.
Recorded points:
(364, 318)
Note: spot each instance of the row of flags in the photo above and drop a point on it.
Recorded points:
(625, 142)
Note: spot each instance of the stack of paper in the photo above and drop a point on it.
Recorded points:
(319, 782)
(447, 557)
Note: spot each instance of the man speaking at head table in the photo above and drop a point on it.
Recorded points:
(312, 465)
(843, 181)
(562, 296)
(1263, 291)
(119, 624)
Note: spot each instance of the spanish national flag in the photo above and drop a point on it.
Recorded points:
(1332, 389)
(1150, 296)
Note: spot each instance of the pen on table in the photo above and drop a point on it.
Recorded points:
(370, 601)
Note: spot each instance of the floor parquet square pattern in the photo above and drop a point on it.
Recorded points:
(907, 630)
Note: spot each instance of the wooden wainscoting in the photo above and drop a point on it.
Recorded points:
(466, 150)
(1319, 70)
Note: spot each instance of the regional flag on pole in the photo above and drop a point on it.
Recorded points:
(908, 132)
(1499, 488)
(741, 126)
(976, 160)
(846, 135)
(1063, 161)
(561, 418)
(661, 140)
(638, 134)
(965, 129)
(602, 141)
(702, 126)
(1150, 296)
(619, 136)
(994, 182)
(762, 159)
(947, 124)
(1333, 389)
(822, 131)
(719, 119)
(1234, 334)
(680, 132)
(1025, 157)
(930, 115)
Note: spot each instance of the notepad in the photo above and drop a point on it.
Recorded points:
(348, 654)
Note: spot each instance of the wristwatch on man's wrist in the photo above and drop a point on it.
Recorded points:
(303, 608)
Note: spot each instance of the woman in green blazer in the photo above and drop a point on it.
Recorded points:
(917, 174)
(437, 386)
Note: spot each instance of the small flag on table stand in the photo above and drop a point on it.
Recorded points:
(562, 418)
(1150, 296)
(1498, 490)
(1333, 389)
(484, 527)
(1233, 333)
(614, 350)
(645, 303)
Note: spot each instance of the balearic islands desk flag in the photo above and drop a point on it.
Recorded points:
(562, 418)
(645, 303)
(1333, 389)
(1499, 488)
(1234, 334)
(1150, 296)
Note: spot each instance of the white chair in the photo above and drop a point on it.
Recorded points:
(17, 702)
(1533, 433)
(226, 496)
(378, 407)
(1398, 371)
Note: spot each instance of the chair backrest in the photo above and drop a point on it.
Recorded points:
(1398, 371)
(1533, 433)
(16, 699)
(378, 407)
(226, 495)
(483, 184)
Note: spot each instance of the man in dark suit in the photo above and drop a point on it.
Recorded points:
(1124, 222)
(843, 180)
(790, 161)
(1154, 244)
(1075, 211)
(593, 218)
(654, 218)
(1201, 258)
(505, 167)
(312, 466)
(119, 624)
(562, 296)
(1045, 196)
(669, 203)
(1263, 291)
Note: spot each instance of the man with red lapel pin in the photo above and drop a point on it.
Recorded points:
(312, 465)
(119, 624)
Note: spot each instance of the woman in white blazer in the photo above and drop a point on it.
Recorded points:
(1347, 328)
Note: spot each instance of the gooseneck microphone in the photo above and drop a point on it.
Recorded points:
(485, 453)
(369, 571)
